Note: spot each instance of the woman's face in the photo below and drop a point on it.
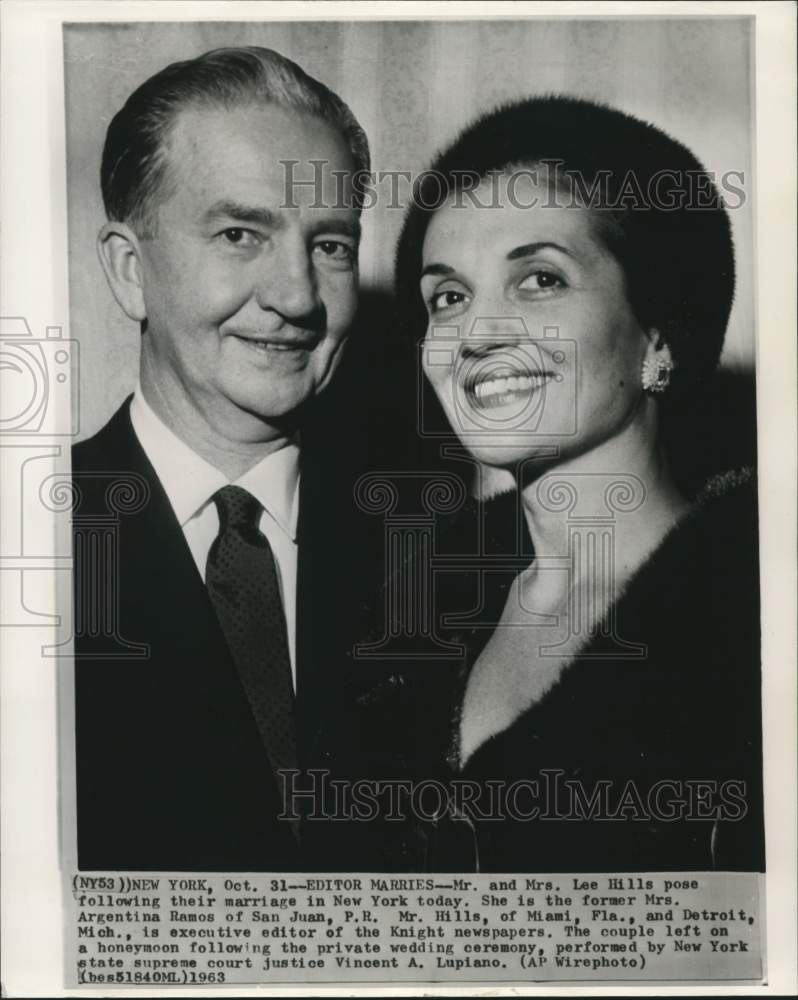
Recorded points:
(531, 343)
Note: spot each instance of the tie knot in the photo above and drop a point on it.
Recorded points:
(237, 508)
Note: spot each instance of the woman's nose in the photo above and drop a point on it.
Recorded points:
(485, 332)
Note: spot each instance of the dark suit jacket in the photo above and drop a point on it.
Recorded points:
(171, 773)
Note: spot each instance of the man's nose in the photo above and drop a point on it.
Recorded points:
(287, 284)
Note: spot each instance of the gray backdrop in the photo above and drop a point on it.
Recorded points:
(412, 85)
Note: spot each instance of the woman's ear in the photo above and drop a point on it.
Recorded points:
(119, 252)
(657, 350)
(657, 365)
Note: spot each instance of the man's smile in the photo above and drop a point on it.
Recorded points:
(278, 346)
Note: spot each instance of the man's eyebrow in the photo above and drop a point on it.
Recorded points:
(267, 218)
(240, 213)
(530, 249)
(437, 269)
(343, 225)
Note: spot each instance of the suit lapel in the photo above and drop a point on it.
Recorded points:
(165, 603)
(159, 559)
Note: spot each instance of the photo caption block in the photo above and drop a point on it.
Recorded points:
(158, 929)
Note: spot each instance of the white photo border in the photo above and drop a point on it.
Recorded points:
(34, 284)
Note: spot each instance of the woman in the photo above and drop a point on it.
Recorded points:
(568, 271)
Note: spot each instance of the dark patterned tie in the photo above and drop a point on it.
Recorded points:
(242, 582)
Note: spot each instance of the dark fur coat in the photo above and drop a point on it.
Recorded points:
(641, 764)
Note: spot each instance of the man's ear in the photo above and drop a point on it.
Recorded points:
(119, 252)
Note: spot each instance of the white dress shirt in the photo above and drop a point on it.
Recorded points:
(190, 483)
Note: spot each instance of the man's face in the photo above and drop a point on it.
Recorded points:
(248, 301)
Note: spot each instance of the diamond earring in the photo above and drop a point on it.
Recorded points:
(656, 374)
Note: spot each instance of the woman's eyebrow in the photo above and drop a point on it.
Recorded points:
(529, 249)
(437, 269)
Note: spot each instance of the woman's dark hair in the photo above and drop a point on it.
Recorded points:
(660, 213)
(134, 173)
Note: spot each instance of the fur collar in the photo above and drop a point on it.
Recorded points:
(551, 674)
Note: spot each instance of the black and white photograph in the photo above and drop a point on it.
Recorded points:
(399, 428)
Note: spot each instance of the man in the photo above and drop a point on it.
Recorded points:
(224, 588)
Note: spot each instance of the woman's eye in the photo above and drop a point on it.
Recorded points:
(446, 300)
(541, 281)
(335, 251)
(236, 236)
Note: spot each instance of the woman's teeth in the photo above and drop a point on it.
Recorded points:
(495, 391)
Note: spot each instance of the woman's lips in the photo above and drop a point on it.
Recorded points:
(498, 390)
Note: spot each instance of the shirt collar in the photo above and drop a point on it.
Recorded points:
(190, 482)
(274, 482)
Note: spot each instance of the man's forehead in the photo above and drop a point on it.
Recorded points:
(234, 152)
(271, 130)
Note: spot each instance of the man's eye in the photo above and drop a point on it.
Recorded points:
(541, 281)
(239, 237)
(334, 250)
(446, 300)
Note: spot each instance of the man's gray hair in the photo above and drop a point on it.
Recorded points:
(134, 163)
